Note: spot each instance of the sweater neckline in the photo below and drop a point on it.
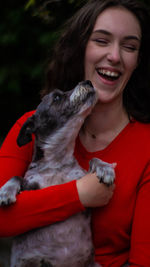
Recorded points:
(82, 149)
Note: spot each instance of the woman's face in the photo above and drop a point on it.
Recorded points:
(112, 52)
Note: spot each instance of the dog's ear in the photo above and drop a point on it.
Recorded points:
(25, 134)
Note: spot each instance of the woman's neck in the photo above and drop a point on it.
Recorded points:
(103, 125)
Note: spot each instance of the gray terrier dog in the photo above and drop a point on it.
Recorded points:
(56, 124)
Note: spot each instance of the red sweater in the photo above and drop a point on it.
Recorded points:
(121, 230)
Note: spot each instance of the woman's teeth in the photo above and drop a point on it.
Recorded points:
(111, 75)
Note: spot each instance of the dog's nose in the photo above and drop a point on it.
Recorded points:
(88, 82)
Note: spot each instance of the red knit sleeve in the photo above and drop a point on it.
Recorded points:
(33, 208)
(14, 160)
(140, 238)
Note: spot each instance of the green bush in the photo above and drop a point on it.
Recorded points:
(28, 31)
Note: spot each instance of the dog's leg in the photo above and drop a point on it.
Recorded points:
(9, 191)
(105, 171)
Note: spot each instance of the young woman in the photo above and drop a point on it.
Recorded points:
(107, 42)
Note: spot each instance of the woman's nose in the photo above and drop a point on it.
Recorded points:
(114, 54)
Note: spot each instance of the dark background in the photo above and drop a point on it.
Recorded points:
(28, 31)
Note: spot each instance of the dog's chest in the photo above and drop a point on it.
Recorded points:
(48, 175)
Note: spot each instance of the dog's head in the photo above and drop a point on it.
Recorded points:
(56, 109)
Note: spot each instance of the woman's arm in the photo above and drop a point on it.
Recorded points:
(39, 208)
(14, 160)
(33, 208)
(140, 237)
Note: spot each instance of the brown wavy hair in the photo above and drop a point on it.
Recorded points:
(66, 67)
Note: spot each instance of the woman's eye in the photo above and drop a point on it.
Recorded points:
(130, 48)
(101, 41)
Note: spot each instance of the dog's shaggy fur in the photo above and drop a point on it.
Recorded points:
(56, 124)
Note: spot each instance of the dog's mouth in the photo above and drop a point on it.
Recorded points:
(82, 92)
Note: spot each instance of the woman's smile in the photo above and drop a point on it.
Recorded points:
(108, 76)
(112, 53)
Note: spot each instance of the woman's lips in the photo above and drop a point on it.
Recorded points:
(108, 76)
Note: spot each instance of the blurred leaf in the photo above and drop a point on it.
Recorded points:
(29, 4)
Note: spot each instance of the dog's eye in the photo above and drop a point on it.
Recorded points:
(56, 97)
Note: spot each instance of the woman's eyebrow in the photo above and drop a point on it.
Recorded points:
(102, 31)
(132, 37)
(129, 37)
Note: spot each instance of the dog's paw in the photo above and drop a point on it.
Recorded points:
(9, 191)
(104, 171)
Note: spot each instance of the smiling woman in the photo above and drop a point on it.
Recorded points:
(70, 52)
(106, 42)
(112, 52)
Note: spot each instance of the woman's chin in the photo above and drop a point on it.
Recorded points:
(106, 98)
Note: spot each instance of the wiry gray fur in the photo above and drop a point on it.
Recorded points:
(56, 124)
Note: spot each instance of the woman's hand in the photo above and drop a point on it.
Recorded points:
(92, 193)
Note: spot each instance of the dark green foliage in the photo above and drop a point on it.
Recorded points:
(28, 31)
